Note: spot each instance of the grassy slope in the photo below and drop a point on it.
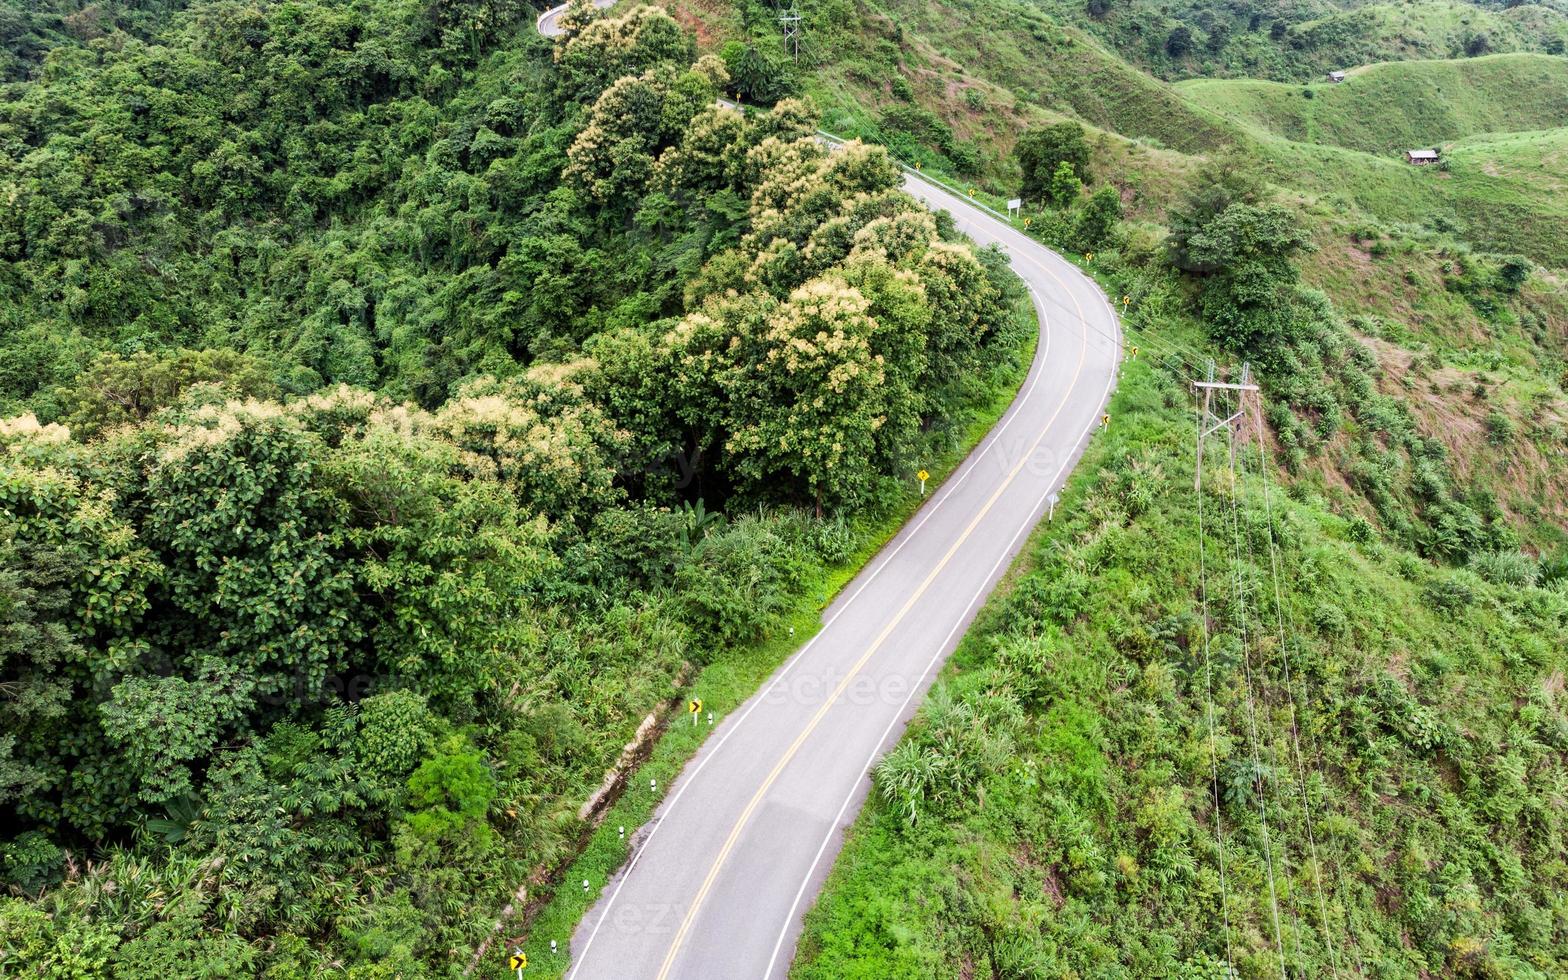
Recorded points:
(1427, 30)
(1023, 68)
(1030, 70)
(1503, 192)
(1512, 189)
(1489, 210)
(1390, 107)
(1430, 714)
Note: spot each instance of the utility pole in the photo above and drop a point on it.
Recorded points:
(1233, 399)
(790, 23)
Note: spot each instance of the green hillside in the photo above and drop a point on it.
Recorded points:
(1044, 64)
(1387, 108)
(1300, 40)
(1512, 189)
(1083, 794)
(397, 408)
(958, 83)
(1433, 29)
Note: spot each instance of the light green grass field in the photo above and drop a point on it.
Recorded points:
(1387, 108)
(1427, 30)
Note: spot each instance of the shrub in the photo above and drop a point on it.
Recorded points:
(395, 732)
(735, 586)
(1359, 529)
(31, 863)
(1506, 567)
(1449, 594)
(449, 796)
(1500, 429)
(833, 539)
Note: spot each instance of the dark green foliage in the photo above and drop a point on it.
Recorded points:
(395, 733)
(31, 862)
(1229, 180)
(1042, 151)
(761, 72)
(1097, 219)
(388, 374)
(733, 585)
(1246, 253)
(117, 390)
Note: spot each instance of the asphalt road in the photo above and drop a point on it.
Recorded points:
(548, 21)
(721, 876)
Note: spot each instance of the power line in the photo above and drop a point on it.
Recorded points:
(1290, 682)
(1249, 569)
(1208, 424)
(792, 26)
(1208, 685)
(1295, 737)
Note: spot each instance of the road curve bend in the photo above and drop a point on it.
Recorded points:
(549, 22)
(720, 878)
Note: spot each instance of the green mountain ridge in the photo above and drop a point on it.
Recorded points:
(348, 339)
(1393, 106)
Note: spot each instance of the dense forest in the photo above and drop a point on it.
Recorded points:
(401, 406)
(397, 407)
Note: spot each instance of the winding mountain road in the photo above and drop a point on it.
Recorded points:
(721, 876)
(549, 22)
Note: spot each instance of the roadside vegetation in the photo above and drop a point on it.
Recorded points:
(1059, 808)
(401, 409)
(1316, 728)
(1065, 805)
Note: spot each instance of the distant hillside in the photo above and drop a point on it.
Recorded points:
(1295, 41)
(1517, 184)
(1433, 29)
(1501, 185)
(1390, 107)
(1056, 67)
(953, 85)
(963, 77)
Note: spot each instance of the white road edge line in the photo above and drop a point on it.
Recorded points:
(972, 462)
(975, 458)
(1007, 554)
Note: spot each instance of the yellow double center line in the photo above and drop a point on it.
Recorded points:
(816, 719)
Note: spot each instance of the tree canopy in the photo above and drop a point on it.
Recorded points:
(377, 380)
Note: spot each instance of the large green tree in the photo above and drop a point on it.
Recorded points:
(809, 404)
(1041, 151)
